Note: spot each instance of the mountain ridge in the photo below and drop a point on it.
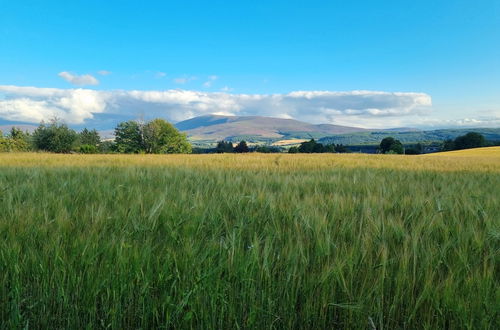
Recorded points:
(218, 127)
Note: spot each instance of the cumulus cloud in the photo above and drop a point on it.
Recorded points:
(75, 106)
(77, 80)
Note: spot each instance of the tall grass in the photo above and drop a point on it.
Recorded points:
(219, 242)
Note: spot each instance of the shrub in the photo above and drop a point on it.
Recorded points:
(87, 149)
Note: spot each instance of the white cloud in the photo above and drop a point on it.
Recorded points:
(210, 81)
(184, 80)
(160, 74)
(480, 121)
(355, 108)
(104, 72)
(226, 89)
(82, 80)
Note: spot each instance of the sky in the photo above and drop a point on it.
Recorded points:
(359, 63)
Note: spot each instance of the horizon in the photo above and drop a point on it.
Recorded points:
(32, 126)
(423, 65)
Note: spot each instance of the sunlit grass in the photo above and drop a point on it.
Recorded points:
(483, 160)
(250, 241)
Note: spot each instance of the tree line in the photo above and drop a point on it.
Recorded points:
(160, 137)
(468, 141)
(154, 137)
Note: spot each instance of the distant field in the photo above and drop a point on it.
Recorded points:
(490, 152)
(250, 241)
(288, 142)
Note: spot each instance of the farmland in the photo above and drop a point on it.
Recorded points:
(250, 241)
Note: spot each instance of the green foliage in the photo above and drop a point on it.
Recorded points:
(267, 149)
(448, 145)
(155, 137)
(312, 146)
(87, 149)
(293, 150)
(409, 137)
(391, 145)
(241, 147)
(106, 147)
(128, 137)
(467, 141)
(416, 149)
(223, 248)
(340, 148)
(224, 147)
(17, 140)
(470, 140)
(161, 137)
(54, 137)
(89, 137)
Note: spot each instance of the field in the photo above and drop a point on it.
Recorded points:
(250, 241)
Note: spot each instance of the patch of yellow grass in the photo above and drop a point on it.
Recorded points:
(476, 152)
(288, 142)
(476, 160)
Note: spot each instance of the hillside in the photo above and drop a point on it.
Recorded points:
(214, 127)
(374, 137)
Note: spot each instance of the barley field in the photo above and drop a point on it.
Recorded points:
(255, 241)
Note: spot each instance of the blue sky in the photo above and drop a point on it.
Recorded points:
(186, 58)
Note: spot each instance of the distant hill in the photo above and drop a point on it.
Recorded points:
(24, 127)
(214, 127)
(408, 136)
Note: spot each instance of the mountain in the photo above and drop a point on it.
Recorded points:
(214, 127)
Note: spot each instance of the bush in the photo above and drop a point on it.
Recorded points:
(87, 149)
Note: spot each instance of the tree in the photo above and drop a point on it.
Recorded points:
(155, 137)
(293, 150)
(340, 148)
(241, 147)
(416, 149)
(448, 145)
(470, 140)
(391, 145)
(106, 147)
(54, 137)
(310, 147)
(223, 146)
(329, 148)
(161, 137)
(18, 140)
(90, 138)
(267, 149)
(128, 137)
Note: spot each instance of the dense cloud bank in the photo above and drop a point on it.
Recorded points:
(75, 106)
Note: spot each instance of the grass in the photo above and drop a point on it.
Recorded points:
(250, 241)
